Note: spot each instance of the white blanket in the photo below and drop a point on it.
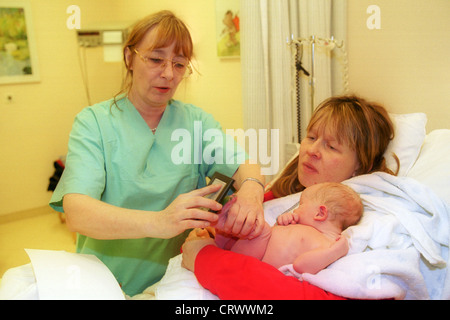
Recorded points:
(400, 247)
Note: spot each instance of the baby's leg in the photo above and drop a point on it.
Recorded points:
(224, 241)
(255, 247)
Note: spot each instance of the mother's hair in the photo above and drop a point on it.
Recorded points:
(364, 126)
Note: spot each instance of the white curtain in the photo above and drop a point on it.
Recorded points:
(268, 65)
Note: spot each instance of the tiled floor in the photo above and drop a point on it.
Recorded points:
(35, 229)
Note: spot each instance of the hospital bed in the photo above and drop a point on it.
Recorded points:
(398, 250)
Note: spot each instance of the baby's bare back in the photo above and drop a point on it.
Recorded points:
(288, 242)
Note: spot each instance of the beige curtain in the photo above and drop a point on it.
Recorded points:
(268, 65)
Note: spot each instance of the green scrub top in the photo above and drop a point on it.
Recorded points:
(113, 156)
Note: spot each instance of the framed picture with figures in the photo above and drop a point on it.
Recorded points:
(228, 29)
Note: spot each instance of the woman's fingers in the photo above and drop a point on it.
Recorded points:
(189, 210)
(244, 223)
(241, 219)
(257, 230)
(197, 198)
(205, 190)
(199, 214)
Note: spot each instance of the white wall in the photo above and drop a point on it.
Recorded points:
(405, 65)
(34, 128)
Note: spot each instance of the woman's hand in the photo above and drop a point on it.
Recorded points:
(245, 219)
(100, 220)
(195, 242)
(188, 211)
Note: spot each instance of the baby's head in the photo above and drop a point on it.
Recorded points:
(343, 204)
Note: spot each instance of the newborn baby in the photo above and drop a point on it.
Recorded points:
(310, 236)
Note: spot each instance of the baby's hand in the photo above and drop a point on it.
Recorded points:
(287, 218)
(341, 246)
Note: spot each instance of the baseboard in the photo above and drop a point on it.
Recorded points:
(10, 217)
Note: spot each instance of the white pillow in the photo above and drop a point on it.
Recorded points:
(409, 135)
(19, 283)
(432, 167)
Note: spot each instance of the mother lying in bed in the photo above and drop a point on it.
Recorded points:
(346, 137)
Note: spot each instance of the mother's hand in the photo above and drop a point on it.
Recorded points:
(195, 242)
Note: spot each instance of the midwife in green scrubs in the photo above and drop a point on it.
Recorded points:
(136, 168)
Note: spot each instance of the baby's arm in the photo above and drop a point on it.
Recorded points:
(315, 260)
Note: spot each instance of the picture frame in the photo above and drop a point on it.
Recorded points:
(228, 39)
(18, 53)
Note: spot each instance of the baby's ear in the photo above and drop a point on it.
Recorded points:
(322, 213)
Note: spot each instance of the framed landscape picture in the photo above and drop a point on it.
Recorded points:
(18, 57)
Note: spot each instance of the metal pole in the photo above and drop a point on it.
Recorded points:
(313, 41)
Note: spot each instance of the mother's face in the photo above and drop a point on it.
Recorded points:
(323, 159)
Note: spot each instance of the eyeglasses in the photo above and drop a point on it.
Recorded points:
(180, 67)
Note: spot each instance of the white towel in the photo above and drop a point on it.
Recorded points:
(400, 247)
